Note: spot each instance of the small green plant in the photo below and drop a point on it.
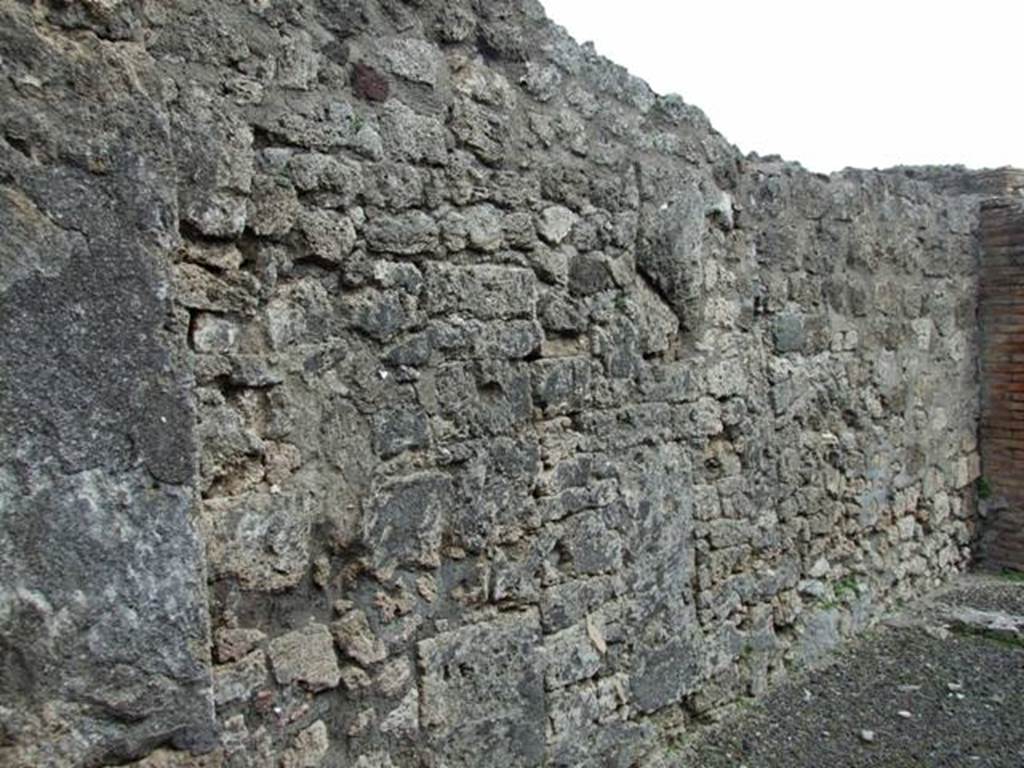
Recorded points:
(846, 588)
(984, 488)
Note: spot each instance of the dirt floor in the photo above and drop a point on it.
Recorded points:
(941, 685)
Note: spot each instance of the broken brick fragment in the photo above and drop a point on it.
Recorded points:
(369, 84)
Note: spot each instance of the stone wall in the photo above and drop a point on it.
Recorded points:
(522, 421)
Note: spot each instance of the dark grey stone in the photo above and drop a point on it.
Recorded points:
(404, 520)
(482, 700)
(104, 615)
(788, 333)
(399, 430)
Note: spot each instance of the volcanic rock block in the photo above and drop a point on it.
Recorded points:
(483, 693)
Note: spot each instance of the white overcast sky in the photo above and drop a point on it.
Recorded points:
(831, 84)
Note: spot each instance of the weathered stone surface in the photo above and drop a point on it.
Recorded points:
(665, 673)
(239, 680)
(231, 644)
(404, 520)
(574, 654)
(483, 693)
(489, 292)
(315, 172)
(261, 540)
(329, 236)
(821, 635)
(369, 84)
(788, 332)
(480, 130)
(400, 430)
(403, 720)
(412, 137)
(415, 60)
(354, 636)
(167, 758)
(274, 206)
(309, 748)
(555, 223)
(213, 150)
(589, 727)
(408, 234)
(103, 612)
(305, 656)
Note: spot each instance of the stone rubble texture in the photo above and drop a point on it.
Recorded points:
(403, 384)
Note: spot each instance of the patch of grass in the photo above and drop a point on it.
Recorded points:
(1001, 638)
(846, 587)
(1008, 574)
(984, 488)
(842, 590)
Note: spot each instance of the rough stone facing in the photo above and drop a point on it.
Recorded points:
(489, 407)
(104, 628)
(483, 693)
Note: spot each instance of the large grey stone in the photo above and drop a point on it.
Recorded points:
(671, 253)
(489, 292)
(483, 693)
(405, 518)
(103, 614)
(413, 137)
(305, 656)
(259, 539)
(407, 234)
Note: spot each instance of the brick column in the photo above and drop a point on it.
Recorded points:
(1001, 316)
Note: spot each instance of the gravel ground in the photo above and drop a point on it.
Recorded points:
(928, 700)
(987, 594)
